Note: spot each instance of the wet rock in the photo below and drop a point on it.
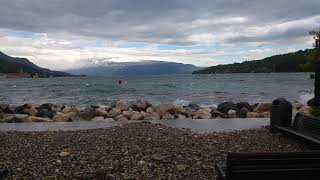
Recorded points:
(21, 109)
(194, 106)
(167, 116)
(31, 111)
(153, 115)
(242, 113)
(122, 105)
(176, 110)
(149, 110)
(101, 112)
(128, 113)
(263, 107)
(226, 107)
(163, 108)
(252, 115)
(215, 113)
(203, 114)
(140, 105)
(61, 117)
(121, 117)
(45, 113)
(241, 105)
(232, 114)
(114, 112)
(3, 106)
(47, 106)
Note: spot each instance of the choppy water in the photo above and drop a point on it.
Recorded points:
(206, 90)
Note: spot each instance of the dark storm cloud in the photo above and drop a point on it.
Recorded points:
(165, 21)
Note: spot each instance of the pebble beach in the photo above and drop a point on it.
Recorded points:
(138, 150)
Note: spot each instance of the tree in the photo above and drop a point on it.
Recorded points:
(314, 63)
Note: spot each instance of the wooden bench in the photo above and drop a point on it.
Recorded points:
(304, 127)
(270, 166)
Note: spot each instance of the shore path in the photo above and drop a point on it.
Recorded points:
(138, 150)
(200, 125)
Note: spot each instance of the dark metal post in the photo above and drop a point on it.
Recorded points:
(281, 114)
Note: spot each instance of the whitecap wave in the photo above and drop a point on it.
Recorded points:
(181, 102)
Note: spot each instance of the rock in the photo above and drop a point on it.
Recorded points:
(3, 106)
(47, 106)
(149, 110)
(128, 113)
(7, 118)
(114, 112)
(167, 116)
(87, 114)
(61, 117)
(64, 153)
(242, 113)
(194, 106)
(19, 118)
(67, 110)
(1, 114)
(8, 110)
(252, 115)
(181, 167)
(39, 119)
(263, 107)
(122, 105)
(98, 119)
(21, 109)
(141, 105)
(226, 107)
(163, 108)
(180, 116)
(31, 111)
(232, 114)
(215, 113)
(241, 105)
(305, 109)
(101, 112)
(121, 117)
(45, 113)
(153, 116)
(297, 105)
(176, 110)
(136, 116)
(265, 115)
(202, 114)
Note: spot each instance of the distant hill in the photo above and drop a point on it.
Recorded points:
(279, 63)
(10, 64)
(105, 67)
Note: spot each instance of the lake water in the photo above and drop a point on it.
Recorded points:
(206, 90)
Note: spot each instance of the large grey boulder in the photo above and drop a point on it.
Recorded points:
(226, 107)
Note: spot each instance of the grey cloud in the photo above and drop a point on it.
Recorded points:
(155, 21)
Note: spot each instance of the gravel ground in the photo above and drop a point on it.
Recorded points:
(130, 151)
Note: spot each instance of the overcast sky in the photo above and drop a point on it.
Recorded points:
(58, 34)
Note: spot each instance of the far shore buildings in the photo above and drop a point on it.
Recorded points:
(16, 75)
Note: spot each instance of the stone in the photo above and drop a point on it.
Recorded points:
(121, 117)
(47, 106)
(177, 110)
(31, 111)
(70, 109)
(98, 119)
(226, 107)
(7, 118)
(39, 119)
(194, 106)
(297, 105)
(19, 118)
(215, 113)
(181, 167)
(87, 114)
(167, 116)
(242, 113)
(1, 114)
(180, 116)
(45, 113)
(136, 116)
(21, 109)
(263, 107)
(128, 113)
(241, 105)
(153, 116)
(101, 112)
(3, 106)
(149, 110)
(114, 112)
(265, 114)
(305, 109)
(141, 105)
(202, 114)
(64, 153)
(232, 114)
(61, 117)
(163, 108)
(122, 105)
(252, 115)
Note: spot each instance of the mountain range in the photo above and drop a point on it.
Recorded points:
(290, 62)
(108, 67)
(10, 64)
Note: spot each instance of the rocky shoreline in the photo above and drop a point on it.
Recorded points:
(139, 110)
(138, 150)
